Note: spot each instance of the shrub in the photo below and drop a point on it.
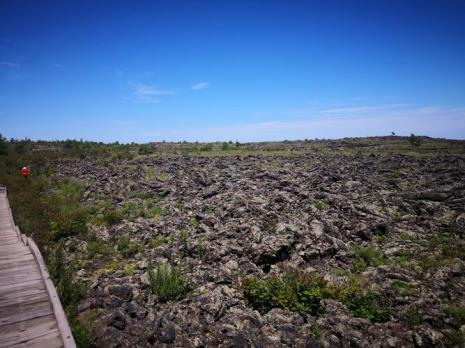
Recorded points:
(200, 248)
(3, 145)
(113, 216)
(365, 257)
(97, 247)
(128, 270)
(414, 140)
(82, 329)
(458, 314)
(183, 239)
(294, 291)
(361, 301)
(67, 216)
(62, 274)
(168, 283)
(402, 288)
(320, 205)
(302, 293)
(126, 248)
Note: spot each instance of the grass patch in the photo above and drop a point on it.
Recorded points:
(414, 317)
(82, 329)
(97, 247)
(156, 242)
(403, 288)
(127, 248)
(183, 240)
(320, 205)
(70, 293)
(167, 282)
(295, 291)
(362, 301)
(366, 257)
(68, 217)
(302, 292)
(457, 314)
(128, 270)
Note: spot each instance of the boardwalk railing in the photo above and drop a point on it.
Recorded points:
(62, 322)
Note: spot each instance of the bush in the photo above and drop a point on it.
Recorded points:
(67, 216)
(126, 248)
(3, 145)
(113, 216)
(365, 257)
(320, 205)
(295, 291)
(168, 283)
(414, 140)
(302, 293)
(62, 274)
(97, 247)
(361, 301)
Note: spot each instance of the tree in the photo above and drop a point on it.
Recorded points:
(3, 145)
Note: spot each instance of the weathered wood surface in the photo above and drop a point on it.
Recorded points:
(30, 310)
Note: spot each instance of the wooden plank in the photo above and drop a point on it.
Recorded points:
(20, 278)
(16, 247)
(6, 254)
(22, 293)
(25, 331)
(51, 339)
(18, 269)
(24, 259)
(20, 286)
(26, 324)
(34, 310)
(25, 299)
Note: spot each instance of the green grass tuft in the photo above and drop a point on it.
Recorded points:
(168, 283)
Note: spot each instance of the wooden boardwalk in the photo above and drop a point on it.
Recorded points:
(31, 314)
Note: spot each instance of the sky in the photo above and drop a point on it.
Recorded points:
(141, 71)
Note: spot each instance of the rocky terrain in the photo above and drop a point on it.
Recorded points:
(391, 223)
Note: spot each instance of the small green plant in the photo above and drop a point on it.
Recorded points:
(127, 248)
(402, 288)
(82, 329)
(365, 257)
(361, 301)
(68, 217)
(111, 267)
(128, 270)
(155, 243)
(295, 291)
(320, 205)
(302, 292)
(183, 239)
(414, 317)
(97, 247)
(200, 248)
(194, 223)
(167, 282)
(113, 216)
(457, 313)
(414, 140)
(316, 331)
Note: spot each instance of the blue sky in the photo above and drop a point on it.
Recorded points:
(231, 70)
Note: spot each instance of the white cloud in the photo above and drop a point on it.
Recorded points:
(435, 121)
(200, 85)
(10, 64)
(143, 93)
